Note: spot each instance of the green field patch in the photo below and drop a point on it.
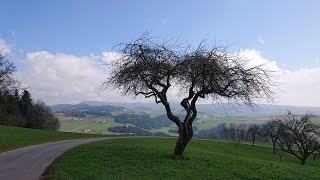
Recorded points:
(96, 125)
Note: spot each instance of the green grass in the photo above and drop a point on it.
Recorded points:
(15, 137)
(207, 122)
(152, 159)
(69, 125)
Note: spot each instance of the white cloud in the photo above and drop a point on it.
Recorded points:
(300, 87)
(4, 47)
(254, 58)
(296, 87)
(63, 78)
(108, 56)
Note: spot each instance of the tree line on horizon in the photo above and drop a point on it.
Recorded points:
(297, 135)
(19, 109)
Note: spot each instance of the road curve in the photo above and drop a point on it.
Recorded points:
(29, 163)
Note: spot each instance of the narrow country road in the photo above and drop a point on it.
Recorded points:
(29, 163)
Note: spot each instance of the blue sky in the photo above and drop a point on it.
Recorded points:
(83, 27)
(287, 32)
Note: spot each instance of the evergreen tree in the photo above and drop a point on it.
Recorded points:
(25, 107)
(10, 113)
(17, 95)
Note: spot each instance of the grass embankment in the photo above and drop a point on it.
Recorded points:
(152, 159)
(15, 137)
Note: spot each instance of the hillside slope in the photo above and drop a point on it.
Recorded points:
(16, 137)
(152, 159)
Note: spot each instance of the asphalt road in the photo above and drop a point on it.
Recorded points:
(29, 163)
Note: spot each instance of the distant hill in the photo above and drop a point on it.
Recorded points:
(82, 109)
(85, 107)
(222, 109)
(138, 105)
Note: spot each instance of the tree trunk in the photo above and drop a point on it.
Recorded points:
(242, 133)
(274, 147)
(225, 135)
(315, 155)
(303, 161)
(185, 134)
(253, 139)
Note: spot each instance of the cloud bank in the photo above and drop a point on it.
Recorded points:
(65, 78)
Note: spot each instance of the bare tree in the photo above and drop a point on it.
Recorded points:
(235, 135)
(233, 131)
(299, 136)
(7, 82)
(270, 130)
(236, 143)
(316, 154)
(280, 153)
(225, 130)
(149, 69)
(41, 117)
(254, 130)
(242, 128)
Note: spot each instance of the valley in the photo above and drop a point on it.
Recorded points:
(149, 119)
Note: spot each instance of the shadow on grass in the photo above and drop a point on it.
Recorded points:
(178, 158)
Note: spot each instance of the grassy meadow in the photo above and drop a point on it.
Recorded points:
(151, 158)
